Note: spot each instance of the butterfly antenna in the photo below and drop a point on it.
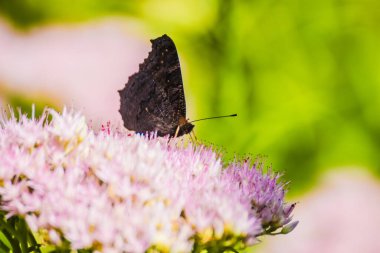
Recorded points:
(225, 116)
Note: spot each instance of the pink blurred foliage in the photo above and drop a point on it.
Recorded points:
(81, 65)
(340, 216)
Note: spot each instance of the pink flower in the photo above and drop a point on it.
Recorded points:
(116, 191)
(263, 194)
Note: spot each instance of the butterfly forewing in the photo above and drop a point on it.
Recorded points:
(153, 98)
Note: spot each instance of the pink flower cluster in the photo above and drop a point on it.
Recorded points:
(114, 191)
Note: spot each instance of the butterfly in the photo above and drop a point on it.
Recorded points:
(153, 99)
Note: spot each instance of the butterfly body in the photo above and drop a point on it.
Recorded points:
(153, 98)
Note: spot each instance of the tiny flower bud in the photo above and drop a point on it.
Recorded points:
(289, 227)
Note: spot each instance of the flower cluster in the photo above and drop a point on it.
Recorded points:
(116, 191)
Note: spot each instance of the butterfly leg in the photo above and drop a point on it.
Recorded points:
(191, 138)
(176, 132)
(191, 134)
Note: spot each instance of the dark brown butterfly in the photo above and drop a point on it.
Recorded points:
(153, 98)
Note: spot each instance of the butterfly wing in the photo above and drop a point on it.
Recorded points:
(153, 98)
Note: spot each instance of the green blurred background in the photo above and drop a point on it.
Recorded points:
(303, 76)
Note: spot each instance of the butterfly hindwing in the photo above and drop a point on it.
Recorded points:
(153, 98)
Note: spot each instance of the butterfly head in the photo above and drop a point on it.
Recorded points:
(184, 127)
